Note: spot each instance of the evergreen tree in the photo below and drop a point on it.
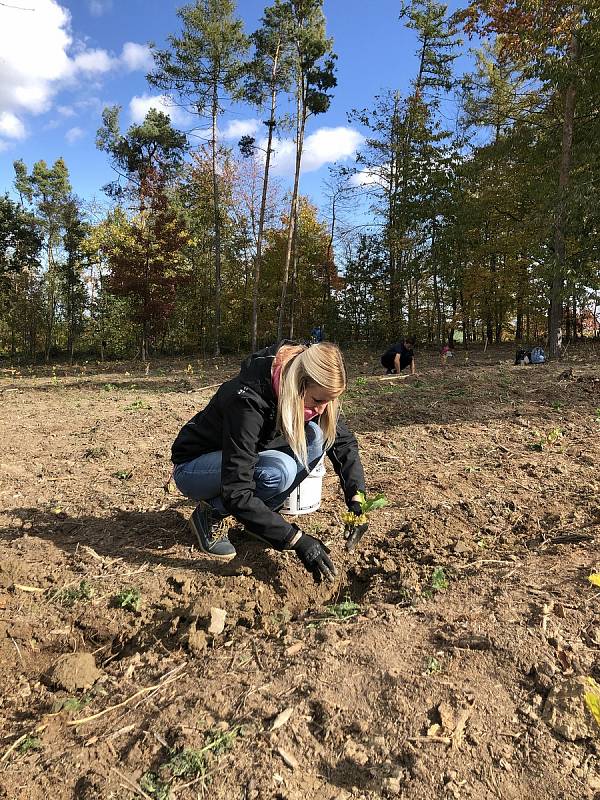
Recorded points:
(203, 66)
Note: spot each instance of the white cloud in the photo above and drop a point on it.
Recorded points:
(324, 146)
(93, 62)
(11, 126)
(241, 127)
(368, 177)
(38, 57)
(4, 146)
(74, 134)
(66, 111)
(137, 56)
(140, 105)
(34, 55)
(99, 7)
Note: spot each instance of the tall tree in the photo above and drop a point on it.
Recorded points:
(71, 269)
(203, 67)
(145, 251)
(269, 74)
(49, 190)
(549, 44)
(314, 63)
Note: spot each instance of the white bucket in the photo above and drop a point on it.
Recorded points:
(306, 497)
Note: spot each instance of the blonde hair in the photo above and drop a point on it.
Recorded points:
(320, 365)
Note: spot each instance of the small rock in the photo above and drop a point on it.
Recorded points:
(294, 648)
(217, 621)
(75, 671)
(288, 759)
(392, 786)
(460, 548)
(566, 711)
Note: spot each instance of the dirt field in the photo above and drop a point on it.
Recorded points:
(448, 661)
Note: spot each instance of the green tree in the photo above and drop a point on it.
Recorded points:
(204, 66)
(145, 251)
(314, 77)
(269, 74)
(48, 190)
(20, 246)
(556, 46)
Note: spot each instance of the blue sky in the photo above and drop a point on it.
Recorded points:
(65, 60)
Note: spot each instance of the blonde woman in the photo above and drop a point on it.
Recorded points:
(257, 439)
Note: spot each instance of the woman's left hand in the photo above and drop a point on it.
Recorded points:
(353, 532)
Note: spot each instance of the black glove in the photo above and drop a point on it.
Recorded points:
(354, 533)
(314, 555)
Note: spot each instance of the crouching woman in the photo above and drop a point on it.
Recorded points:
(257, 439)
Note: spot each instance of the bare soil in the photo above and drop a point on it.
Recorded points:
(431, 669)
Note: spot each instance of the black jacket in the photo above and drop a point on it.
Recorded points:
(240, 420)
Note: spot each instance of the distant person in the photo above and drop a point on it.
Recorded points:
(445, 353)
(316, 335)
(257, 439)
(399, 356)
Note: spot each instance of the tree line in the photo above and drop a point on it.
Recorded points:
(468, 215)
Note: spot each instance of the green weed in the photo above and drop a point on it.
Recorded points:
(546, 440)
(155, 787)
(95, 452)
(433, 665)
(130, 599)
(72, 704)
(439, 581)
(360, 381)
(188, 763)
(123, 474)
(137, 405)
(109, 387)
(69, 595)
(30, 743)
(344, 610)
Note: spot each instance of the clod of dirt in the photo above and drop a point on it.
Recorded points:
(197, 641)
(566, 711)
(75, 671)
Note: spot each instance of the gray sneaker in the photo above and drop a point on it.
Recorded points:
(210, 530)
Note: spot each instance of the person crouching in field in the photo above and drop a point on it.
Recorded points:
(257, 439)
(399, 356)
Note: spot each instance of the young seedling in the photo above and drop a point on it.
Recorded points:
(29, 743)
(344, 610)
(355, 525)
(129, 599)
(68, 596)
(190, 762)
(546, 439)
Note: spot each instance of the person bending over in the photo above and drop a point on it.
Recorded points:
(399, 356)
(257, 439)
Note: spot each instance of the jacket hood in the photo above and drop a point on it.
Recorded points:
(255, 370)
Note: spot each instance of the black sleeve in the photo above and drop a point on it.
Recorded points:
(242, 424)
(346, 461)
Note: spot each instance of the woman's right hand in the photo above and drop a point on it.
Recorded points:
(315, 557)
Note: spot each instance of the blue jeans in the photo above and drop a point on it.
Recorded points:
(276, 475)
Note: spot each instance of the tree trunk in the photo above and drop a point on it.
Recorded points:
(301, 123)
(558, 276)
(217, 219)
(263, 203)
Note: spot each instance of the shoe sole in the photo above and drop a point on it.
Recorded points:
(208, 552)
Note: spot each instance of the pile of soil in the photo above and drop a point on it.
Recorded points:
(452, 658)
